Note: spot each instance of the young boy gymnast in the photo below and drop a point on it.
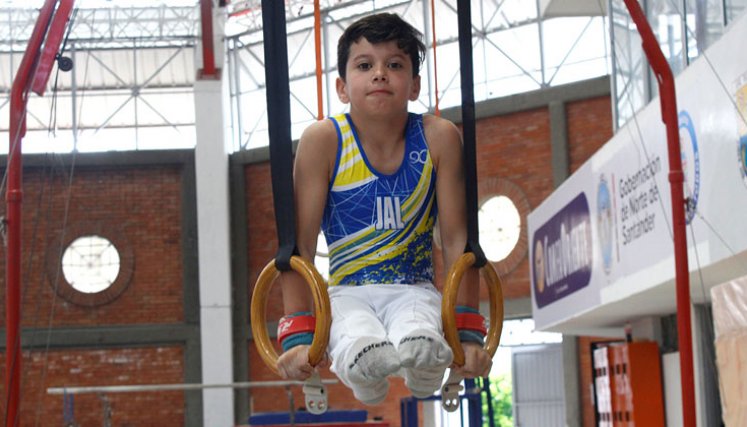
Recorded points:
(371, 179)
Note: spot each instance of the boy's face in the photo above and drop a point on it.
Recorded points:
(378, 79)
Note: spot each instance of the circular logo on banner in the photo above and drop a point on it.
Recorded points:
(690, 164)
(604, 222)
(539, 266)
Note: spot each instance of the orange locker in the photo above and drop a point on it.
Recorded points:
(635, 390)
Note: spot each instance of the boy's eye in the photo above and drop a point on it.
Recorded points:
(395, 65)
(364, 66)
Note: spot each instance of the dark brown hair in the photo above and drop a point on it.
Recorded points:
(380, 28)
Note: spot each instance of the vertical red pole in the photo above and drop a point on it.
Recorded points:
(436, 111)
(318, 49)
(208, 47)
(14, 198)
(676, 177)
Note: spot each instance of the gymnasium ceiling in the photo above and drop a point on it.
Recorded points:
(135, 60)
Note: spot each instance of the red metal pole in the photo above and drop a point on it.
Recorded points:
(52, 42)
(676, 177)
(13, 197)
(436, 110)
(318, 51)
(208, 48)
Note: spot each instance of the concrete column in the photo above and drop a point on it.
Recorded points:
(571, 375)
(214, 239)
(214, 243)
(559, 142)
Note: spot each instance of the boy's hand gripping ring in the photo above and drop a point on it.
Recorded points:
(321, 310)
(450, 390)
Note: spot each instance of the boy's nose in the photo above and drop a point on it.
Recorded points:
(380, 74)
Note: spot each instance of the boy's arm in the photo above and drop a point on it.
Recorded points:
(446, 147)
(445, 144)
(311, 173)
(312, 169)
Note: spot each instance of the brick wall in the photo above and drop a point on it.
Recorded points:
(90, 367)
(140, 205)
(589, 127)
(516, 147)
(139, 209)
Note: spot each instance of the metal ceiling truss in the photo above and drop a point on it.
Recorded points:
(96, 28)
(131, 66)
(132, 55)
(100, 80)
(492, 21)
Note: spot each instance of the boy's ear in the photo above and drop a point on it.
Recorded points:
(415, 93)
(341, 93)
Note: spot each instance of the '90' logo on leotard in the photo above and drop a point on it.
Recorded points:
(418, 157)
(388, 213)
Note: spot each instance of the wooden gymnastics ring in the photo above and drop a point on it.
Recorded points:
(321, 308)
(448, 306)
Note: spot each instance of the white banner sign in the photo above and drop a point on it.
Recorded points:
(606, 233)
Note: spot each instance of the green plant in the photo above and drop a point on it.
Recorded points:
(500, 393)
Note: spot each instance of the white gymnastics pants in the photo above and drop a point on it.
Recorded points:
(385, 312)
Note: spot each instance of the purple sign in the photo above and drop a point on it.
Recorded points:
(562, 253)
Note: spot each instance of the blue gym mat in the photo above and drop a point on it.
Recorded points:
(302, 417)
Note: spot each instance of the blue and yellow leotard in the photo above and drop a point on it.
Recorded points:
(379, 227)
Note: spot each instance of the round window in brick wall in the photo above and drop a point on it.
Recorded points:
(500, 227)
(501, 217)
(91, 265)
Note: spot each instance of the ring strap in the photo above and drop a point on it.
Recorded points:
(464, 23)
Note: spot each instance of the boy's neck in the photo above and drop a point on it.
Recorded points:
(383, 142)
(381, 131)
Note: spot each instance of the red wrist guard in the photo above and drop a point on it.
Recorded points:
(472, 322)
(291, 325)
